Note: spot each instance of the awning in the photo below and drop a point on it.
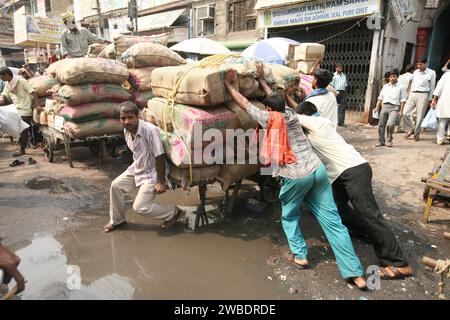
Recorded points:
(159, 20)
(264, 4)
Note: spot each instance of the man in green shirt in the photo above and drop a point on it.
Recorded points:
(21, 94)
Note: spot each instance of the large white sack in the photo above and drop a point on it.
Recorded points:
(10, 121)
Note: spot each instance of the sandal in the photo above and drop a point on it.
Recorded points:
(170, 223)
(16, 163)
(358, 282)
(289, 256)
(18, 154)
(111, 227)
(394, 273)
(31, 161)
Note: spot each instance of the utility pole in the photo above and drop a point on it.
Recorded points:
(133, 14)
(100, 20)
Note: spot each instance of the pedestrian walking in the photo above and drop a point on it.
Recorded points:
(441, 102)
(405, 80)
(422, 87)
(391, 102)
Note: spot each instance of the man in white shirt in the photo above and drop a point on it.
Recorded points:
(351, 178)
(391, 100)
(422, 87)
(340, 83)
(405, 80)
(147, 173)
(441, 102)
(75, 41)
(324, 100)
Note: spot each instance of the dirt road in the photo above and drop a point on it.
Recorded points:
(52, 215)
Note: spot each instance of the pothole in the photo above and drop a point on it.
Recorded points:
(42, 183)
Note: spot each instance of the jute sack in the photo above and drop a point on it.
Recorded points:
(148, 54)
(247, 73)
(92, 128)
(184, 118)
(88, 93)
(141, 98)
(198, 87)
(123, 43)
(41, 84)
(285, 76)
(230, 173)
(178, 153)
(51, 70)
(91, 111)
(199, 175)
(140, 79)
(243, 120)
(109, 52)
(91, 70)
(95, 49)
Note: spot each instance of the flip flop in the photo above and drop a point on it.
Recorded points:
(170, 223)
(397, 275)
(31, 161)
(16, 163)
(17, 154)
(289, 256)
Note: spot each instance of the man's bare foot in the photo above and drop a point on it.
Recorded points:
(170, 223)
(111, 227)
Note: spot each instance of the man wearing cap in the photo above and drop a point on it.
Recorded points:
(75, 41)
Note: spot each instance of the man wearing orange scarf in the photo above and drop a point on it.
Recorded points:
(303, 178)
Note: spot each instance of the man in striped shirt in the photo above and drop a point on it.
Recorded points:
(147, 173)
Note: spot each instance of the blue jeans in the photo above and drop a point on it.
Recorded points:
(315, 190)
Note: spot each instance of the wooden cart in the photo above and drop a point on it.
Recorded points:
(437, 185)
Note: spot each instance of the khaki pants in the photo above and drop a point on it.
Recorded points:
(143, 204)
(417, 101)
(443, 122)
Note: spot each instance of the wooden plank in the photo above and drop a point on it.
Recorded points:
(444, 172)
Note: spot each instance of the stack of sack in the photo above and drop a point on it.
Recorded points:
(200, 97)
(42, 85)
(141, 59)
(90, 95)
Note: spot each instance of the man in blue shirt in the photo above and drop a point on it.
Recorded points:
(340, 84)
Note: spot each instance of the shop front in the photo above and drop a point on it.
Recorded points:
(342, 26)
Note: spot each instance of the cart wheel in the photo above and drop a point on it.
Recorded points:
(49, 149)
(94, 147)
(270, 189)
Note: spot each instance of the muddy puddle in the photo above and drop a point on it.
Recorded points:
(143, 262)
(42, 183)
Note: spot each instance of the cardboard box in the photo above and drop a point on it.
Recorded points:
(309, 51)
(305, 66)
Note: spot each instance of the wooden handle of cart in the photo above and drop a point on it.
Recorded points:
(430, 262)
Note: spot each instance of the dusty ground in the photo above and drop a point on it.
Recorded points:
(55, 228)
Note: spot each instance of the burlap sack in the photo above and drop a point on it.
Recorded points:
(51, 70)
(243, 120)
(231, 173)
(199, 175)
(199, 87)
(123, 43)
(95, 49)
(91, 111)
(88, 93)
(148, 54)
(141, 98)
(140, 79)
(285, 76)
(42, 84)
(93, 128)
(109, 52)
(79, 71)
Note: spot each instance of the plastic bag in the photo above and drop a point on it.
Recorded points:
(430, 121)
(375, 114)
(10, 121)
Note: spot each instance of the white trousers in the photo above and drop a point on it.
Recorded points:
(441, 129)
(143, 204)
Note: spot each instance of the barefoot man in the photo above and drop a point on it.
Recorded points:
(147, 173)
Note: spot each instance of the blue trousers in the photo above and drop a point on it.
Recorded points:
(315, 190)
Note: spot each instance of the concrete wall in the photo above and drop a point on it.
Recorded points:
(59, 7)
